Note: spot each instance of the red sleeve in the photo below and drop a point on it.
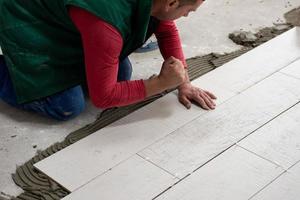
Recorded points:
(102, 45)
(169, 41)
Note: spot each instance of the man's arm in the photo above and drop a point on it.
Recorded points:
(169, 41)
(170, 45)
(102, 45)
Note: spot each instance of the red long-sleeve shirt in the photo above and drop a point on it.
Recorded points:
(102, 45)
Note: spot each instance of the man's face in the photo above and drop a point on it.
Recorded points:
(171, 10)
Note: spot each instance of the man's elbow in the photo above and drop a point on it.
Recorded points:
(103, 101)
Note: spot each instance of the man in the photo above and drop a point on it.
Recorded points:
(54, 49)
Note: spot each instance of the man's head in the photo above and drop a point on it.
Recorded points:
(174, 9)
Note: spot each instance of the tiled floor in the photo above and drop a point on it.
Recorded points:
(21, 132)
(246, 148)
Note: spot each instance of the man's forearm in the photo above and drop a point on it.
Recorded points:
(169, 41)
(153, 86)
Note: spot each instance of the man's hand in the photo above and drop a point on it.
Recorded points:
(188, 93)
(172, 73)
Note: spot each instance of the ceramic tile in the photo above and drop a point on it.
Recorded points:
(293, 69)
(257, 64)
(134, 179)
(285, 187)
(279, 140)
(234, 175)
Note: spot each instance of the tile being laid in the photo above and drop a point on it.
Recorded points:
(279, 140)
(199, 141)
(234, 175)
(134, 179)
(257, 64)
(117, 142)
(285, 187)
(293, 69)
(220, 92)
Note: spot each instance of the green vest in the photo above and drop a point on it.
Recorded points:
(43, 48)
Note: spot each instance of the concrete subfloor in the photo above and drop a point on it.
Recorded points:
(205, 31)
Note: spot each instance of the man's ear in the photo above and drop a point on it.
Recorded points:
(171, 5)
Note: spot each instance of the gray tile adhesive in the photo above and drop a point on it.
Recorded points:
(37, 185)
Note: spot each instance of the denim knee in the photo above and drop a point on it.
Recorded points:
(66, 106)
(2, 72)
(7, 93)
(61, 106)
(65, 114)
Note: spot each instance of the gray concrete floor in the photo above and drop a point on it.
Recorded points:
(202, 32)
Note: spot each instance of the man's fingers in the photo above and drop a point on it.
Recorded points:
(201, 102)
(201, 97)
(207, 100)
(211, 95)
(185, 101)
(210, 99)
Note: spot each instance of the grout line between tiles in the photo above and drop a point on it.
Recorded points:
(149, 161)
(289, 75)
(283, 173)
(266, 159)
(275, 117)
(167, 189)
(268, 184)
(195, 170)
(231, 146)
(103, 173)
(201, 115)
(296, 163)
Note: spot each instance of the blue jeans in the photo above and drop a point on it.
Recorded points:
(62, 106)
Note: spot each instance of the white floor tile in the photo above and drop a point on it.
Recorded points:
(255, 65)
(234, 175)
(135, 179)
(285, 187)
(293, 69)
(278, 141)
